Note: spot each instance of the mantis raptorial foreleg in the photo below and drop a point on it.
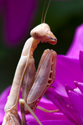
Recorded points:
(43, 79)
(34, 86)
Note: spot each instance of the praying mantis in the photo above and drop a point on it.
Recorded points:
(34, 85)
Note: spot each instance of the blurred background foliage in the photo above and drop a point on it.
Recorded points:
(63, 17)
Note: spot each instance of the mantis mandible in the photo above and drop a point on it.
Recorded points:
(34, 85)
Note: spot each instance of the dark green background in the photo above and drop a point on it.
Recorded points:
(63, 17)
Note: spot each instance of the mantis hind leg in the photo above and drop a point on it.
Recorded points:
(47, 111)
(22, 102)
(22, 112)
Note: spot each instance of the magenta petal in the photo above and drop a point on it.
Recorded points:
(79, 85)
(18, 19)
(3, 99)
(77, 102)
(4, 95)
(77, 43)
(68, 111)
(51, 122)
(54, 97)
(67, 71)
(49, 116)
(68, 88)
(47, 104)
(46, 116)
(81, 59)
(0, 123)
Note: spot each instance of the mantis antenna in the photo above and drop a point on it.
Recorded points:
(45, 12)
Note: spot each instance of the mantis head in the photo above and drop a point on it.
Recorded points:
(43, 33)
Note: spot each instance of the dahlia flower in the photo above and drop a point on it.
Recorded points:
(67, 91)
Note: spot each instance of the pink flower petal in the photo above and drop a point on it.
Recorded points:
(77, 43)
(68, 70)
(79, 85)
(45, 103)
(76, 101)
(52, 122)
(81, 59)
(19, 16)
(67, 111)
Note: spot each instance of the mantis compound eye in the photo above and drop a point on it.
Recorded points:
(35, 34)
